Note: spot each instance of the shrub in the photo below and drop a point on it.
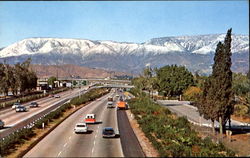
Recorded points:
(191, 93)
(172, 137)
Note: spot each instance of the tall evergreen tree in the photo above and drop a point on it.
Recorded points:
(218, 95)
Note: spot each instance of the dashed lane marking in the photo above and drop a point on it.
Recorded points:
(59, 153)
(69, 137)
(65, 145)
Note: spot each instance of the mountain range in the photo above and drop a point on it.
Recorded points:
(194, 52)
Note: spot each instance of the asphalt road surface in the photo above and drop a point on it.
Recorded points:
(130, 144)
(63, 142)
(11, 117)
(182, 109)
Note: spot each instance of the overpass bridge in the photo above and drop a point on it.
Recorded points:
(115, 86)
(87, 81)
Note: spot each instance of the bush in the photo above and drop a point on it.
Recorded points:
(191, 93)
(172, 136)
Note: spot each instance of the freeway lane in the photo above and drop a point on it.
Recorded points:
(63, 142)
(12, 117)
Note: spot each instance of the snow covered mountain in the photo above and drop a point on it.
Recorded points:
(195, 52)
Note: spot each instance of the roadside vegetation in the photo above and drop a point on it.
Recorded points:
(217, 96)
(17, 78)
(11, 143)
(172, 136)
(241, 88)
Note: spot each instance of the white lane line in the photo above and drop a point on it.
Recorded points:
(65, 145)
(69, 137)
(95, 135)
(92, 150)
(94, 143)
(59, 153)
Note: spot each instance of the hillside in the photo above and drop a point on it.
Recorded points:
(65, 71)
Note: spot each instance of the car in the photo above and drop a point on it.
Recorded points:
(21, 108)
(57, 96)
(110, 104)
(117, 95)
(90, 118)
(15, 105)
(33, 104)
(108, 132)
(51, 96)
(121, 98)
(1, 124)
(81, 128)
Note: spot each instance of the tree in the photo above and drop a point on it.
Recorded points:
(248, 74)
(241, 84)
(148, 73)
(217, 100)
(17, 78)
(173, 80)
(206, 103)
(51, 81)
(4, 82)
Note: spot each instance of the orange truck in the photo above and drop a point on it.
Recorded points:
(121, 105)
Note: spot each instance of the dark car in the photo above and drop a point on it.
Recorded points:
(21, 108)
(1, 124)
(108, 132)
(33, 104)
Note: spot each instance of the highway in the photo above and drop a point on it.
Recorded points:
(13, 118)
(63, 142)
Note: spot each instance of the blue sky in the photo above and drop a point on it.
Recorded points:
(134, 21)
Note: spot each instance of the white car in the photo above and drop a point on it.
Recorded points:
(110, 104)
(15, 105)
(81, 128)
(57, 96)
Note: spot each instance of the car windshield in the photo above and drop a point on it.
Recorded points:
(80, 125)
(16, 103)
(108, 131)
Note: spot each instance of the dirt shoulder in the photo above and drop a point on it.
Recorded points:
(146, 145)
